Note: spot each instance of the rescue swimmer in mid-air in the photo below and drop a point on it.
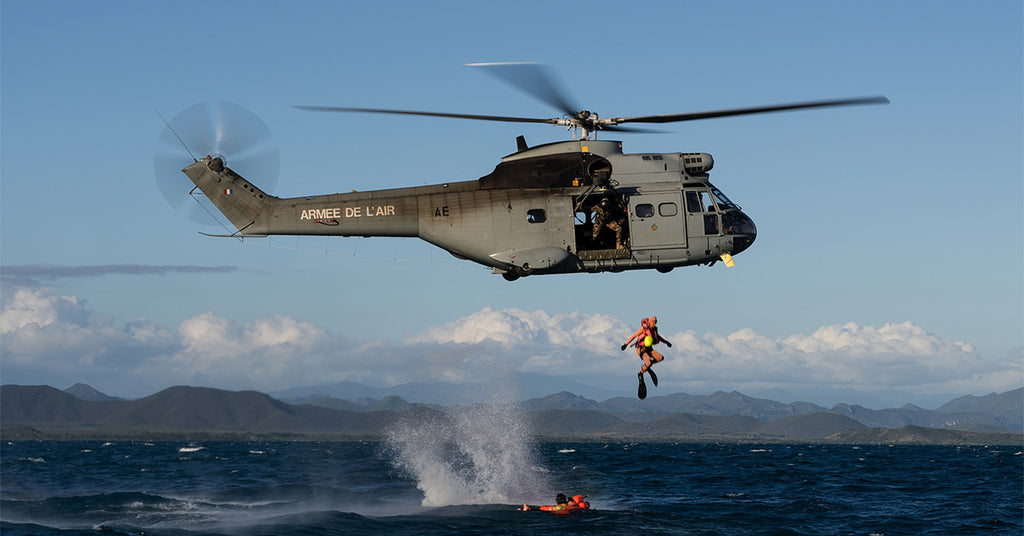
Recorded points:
(533, 214)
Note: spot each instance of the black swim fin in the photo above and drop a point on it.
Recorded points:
(654, 377)
(641, 390)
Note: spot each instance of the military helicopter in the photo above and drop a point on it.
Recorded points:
(574, 206)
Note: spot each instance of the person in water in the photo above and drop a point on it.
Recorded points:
(562, 505)
(646, 337)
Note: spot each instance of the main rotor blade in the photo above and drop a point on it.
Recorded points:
(432, 114)
(533, 78)
(634, 130)
(747, 111)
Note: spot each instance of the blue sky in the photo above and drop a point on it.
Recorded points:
(888, 266)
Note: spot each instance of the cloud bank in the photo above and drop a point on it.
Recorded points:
(58, 340)
(30, 274)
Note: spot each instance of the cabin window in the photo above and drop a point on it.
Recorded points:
(536, 215)
(668, 209)
(644, 210)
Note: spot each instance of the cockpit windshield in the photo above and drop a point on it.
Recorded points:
(723, 202)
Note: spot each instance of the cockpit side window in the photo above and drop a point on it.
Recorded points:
(693, 203)
(699, 201)
(710, 224)
(709, 205)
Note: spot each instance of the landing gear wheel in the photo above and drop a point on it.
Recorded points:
(664, 269)
(523, 270)
(510, 276)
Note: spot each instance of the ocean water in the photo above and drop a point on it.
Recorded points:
(419, 482)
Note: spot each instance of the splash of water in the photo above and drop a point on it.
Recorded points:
(480, 454)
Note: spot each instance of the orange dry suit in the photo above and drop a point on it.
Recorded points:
(576, 503)
(646, 331)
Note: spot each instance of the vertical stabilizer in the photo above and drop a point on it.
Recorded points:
(242, 203)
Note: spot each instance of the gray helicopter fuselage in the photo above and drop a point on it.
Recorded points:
(533, 214)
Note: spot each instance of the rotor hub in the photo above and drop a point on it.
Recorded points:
(215, 163)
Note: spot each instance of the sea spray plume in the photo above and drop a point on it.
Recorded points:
(480, 454)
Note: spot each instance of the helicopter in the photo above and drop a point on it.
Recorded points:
(575, 206)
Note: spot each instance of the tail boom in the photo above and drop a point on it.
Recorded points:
(253, 212)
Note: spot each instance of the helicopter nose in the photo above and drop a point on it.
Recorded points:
(744, 232)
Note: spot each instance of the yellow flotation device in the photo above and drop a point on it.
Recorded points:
(648, 341)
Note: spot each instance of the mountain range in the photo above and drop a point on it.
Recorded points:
(182, 411)
(47, 412)
(1002, 412)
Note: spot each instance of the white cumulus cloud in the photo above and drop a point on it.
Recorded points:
(531, 328)
(57, 335)
(267, 353)
(901, 356)
(47, 338)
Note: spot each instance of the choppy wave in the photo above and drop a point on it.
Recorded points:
(355, 488)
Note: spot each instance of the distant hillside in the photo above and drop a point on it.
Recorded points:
(813, 426)
(996, 413)
(704, 427)
(530, 385)
(719, 403)
(1007, 408)
(184, 410)
(85, 392)
(573, 423)
(42, 404)
(922, 435)
(686, 427)
(388, 403)
(562, 400)
(42, 412)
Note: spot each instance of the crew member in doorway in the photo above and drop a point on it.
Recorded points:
(607, 214)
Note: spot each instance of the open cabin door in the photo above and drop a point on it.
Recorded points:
(601, 227)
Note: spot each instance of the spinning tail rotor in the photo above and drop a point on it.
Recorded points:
(220, 129)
